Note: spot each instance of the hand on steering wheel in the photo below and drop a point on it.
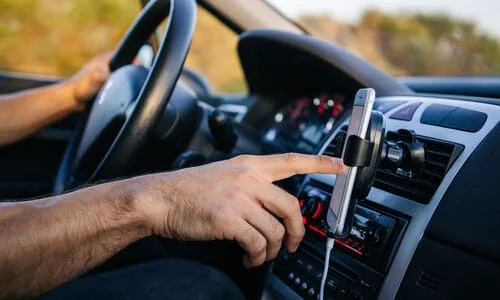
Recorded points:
(126, 109)
(89, 79)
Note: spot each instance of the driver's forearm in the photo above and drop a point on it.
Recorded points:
(44, 243)
(24, 113)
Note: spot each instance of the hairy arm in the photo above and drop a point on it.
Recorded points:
(47, 242)
(24, 113)
(50, 241)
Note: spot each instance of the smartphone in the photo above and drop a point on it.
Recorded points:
(340, 203)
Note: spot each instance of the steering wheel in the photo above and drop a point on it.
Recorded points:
(126, 109)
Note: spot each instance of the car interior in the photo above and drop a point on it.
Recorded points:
(424, 226)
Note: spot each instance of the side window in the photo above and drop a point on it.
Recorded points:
(213, 53)
(53, 37)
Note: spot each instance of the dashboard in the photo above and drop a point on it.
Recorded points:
(424, 231)
(380, 258)
(303, 123)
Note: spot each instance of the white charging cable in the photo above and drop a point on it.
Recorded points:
(329, 246)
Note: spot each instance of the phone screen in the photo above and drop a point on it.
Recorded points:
(342, 190)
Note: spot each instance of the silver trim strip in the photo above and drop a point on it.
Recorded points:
(239, 110)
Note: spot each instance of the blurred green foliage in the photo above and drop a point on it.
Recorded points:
(56, 37)
(213, 53)
(414, 44)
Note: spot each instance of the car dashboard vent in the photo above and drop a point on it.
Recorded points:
(429, 280)
(420, 183)
(415, 183)
(333, 149)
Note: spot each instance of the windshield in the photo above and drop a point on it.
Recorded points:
(426, 37)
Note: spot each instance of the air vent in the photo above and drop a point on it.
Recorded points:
(333, 149)
(429, 280)
(421, 184)
(232, 114)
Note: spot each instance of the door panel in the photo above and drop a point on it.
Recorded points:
(13, 82)
(28, 168)
(54, 38)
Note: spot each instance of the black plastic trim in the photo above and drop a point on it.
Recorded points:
(225, 20)
(438, 271)
(277, 60)
(483, 100)
(11, 82)
(461, 85)
(467, 215)
(358, 152)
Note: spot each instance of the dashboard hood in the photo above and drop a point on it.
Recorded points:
(278, 62)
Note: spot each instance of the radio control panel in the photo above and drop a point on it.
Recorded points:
(361, 259)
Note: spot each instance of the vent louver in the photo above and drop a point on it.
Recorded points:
(429, 280)
(333, 149)
(421, 184)
(418, 184)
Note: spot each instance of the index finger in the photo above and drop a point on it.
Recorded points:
(280, 166)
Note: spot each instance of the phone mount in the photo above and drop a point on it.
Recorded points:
(361, 146)
(365, 153)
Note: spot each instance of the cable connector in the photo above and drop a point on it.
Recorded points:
(329, 246)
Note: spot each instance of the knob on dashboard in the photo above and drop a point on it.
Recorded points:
(312, 207)
(222, 131)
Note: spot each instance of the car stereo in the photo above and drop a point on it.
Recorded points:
(362, 258)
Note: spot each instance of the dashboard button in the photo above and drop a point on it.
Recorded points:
(304, 286)
(300, 264)
(309, 268)
(465, 120)
(291, 276)
(406, 113)
(316, 273)
(332, 284)
(434, 114)
(297, 281)
(311, 292)
(385, 106)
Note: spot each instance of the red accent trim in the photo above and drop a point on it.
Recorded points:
(317, 230)
(348, 247)
(318, 210)
(304, 220)
(337, 241)
(301, 202)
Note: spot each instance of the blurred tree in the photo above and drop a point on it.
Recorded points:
(415, 44)
(54, 37)
(213, 54)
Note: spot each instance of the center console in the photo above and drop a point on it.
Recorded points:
(371, 261)
(360, 261)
